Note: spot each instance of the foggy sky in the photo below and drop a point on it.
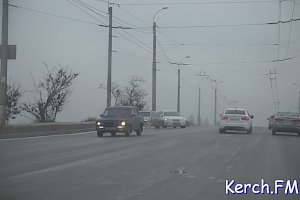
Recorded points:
(237, 55)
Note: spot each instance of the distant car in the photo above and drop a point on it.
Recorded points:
(151, 118)
(124, 119)
(286, 122)
(172, 119)
(236, 119)
(270, 121)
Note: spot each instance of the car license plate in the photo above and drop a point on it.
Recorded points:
(110, 128)
(288, 123)
(234, 119)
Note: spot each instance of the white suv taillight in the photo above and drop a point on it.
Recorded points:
(245, 118)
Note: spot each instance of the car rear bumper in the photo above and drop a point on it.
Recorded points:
(287, 129)
(235, 126)
(172, 124)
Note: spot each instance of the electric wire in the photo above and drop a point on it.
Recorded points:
(55, 15)
(194, 3)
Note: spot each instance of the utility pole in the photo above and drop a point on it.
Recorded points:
(215, 111)
(6, 52)
(199, 100)
(154, 69)
(272, 76)
(108, 99)
(199, 118)
(154, 61)
(178, 82)
(299, 103)
(178, 92)
(298, 85)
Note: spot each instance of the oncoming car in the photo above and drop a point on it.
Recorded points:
(123, 119)
(172, 119)
(236, 119)
(151, 118)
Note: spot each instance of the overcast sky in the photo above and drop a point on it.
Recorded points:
(230, 42)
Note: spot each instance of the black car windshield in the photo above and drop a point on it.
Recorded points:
(288, 114)
(237, 112)
(116, 112)
(171, 114)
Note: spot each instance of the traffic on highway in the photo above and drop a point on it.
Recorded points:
(150, 100)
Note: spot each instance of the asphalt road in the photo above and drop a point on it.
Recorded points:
(162, 164)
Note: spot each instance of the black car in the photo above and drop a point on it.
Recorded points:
(122, 119)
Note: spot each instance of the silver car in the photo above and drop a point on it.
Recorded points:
(286, 122)
(151, 118)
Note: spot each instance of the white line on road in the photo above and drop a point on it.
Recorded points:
(45, 136)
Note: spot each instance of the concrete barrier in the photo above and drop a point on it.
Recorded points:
(41, 129)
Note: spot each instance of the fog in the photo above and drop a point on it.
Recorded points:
(230, 42)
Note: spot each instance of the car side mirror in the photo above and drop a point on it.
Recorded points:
(221, 115)
(268, 118)
(251, 116)
(101, 115)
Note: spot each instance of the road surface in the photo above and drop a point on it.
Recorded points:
(164, 164)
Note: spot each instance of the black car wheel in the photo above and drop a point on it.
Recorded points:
(128, 131)
(139, 130)
(249, 131)
(99, 133)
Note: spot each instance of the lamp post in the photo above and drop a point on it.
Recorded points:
(154, 61)
(298, 85)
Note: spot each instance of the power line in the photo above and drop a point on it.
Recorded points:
(94, 10)
(132, 15)
(215, 44)
(172, 39)
(57, 16)
(103, 1)
(193, 3)
(71, 2)
(117, 26)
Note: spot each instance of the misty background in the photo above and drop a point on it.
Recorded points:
(230, 42)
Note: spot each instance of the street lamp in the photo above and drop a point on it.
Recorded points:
(298, 85)
(154, 61)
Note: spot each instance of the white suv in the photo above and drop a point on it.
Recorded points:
(236, 119)
(172, 119)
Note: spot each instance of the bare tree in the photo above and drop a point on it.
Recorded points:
(52, 94)
(133, 94)
(14, 93)
(115, 90)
